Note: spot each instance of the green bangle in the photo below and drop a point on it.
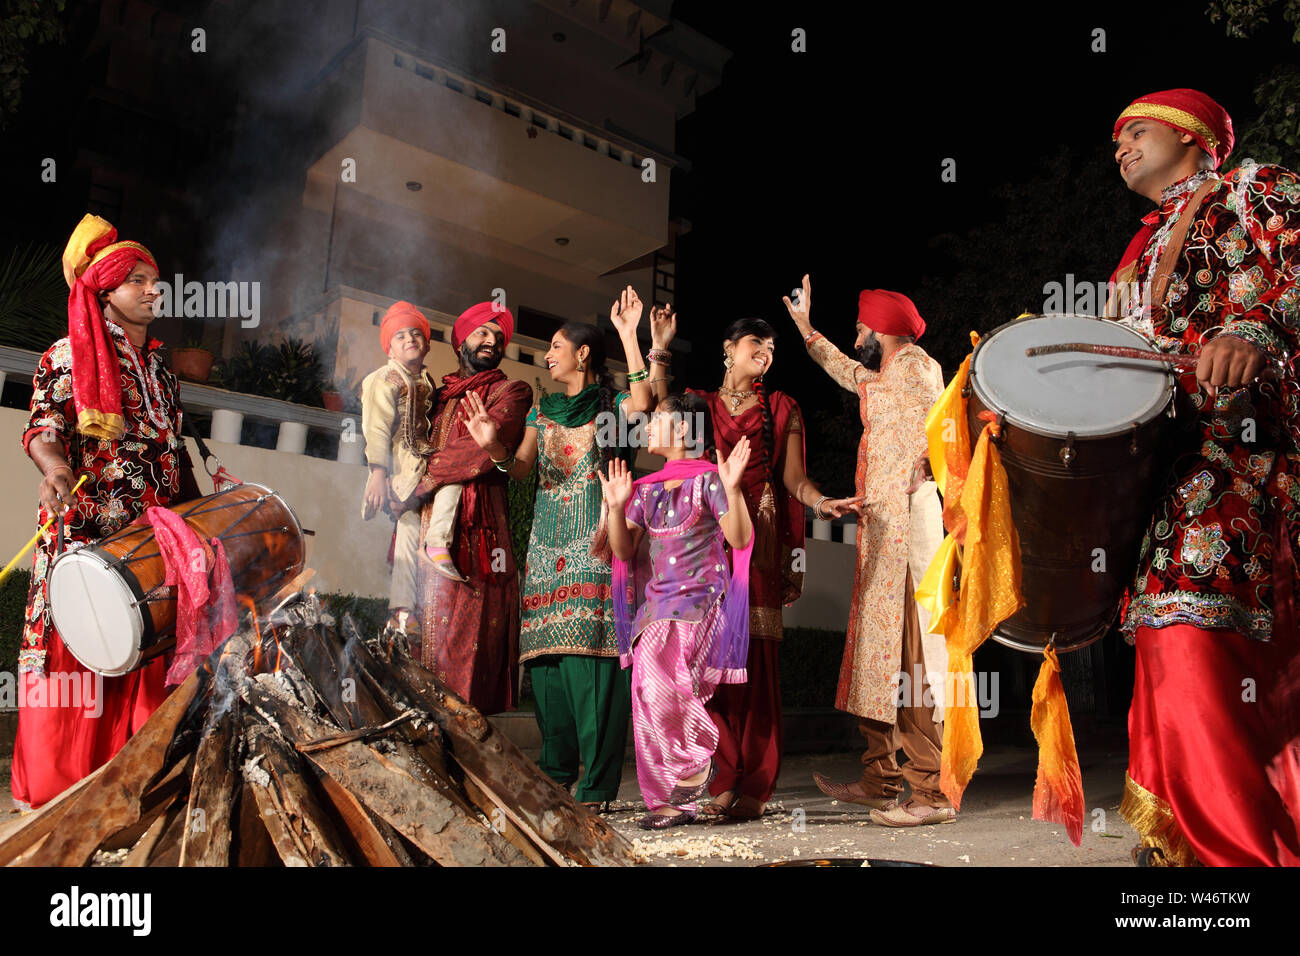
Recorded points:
(634, 377)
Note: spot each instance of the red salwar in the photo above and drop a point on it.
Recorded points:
(85, 716)
(1208, 762)
(748, 719)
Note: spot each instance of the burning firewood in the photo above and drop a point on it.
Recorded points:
(297, 745)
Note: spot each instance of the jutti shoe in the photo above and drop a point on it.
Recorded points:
(443, 564)
(842, 793)
(913, 814)
(661, 821)
(683, 794)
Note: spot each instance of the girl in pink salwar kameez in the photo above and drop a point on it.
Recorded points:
(681, 609)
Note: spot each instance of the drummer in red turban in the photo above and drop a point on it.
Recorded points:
(1214, 727)
(105, 405)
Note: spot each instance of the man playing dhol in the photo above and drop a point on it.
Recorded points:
(1213, 760)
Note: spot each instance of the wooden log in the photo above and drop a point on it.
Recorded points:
(213, 788)
(148, 845)
(298, 825)
(374, 841)
(153, 804)
(252, 844)
(19, 836)
(111, 801)
(167, 851)
(547, 808)
(417, 811)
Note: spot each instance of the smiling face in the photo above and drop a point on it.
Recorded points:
(483, 348)
(408, 347)
(752, 356)
(562, 359)
(130, 305)
(1152, 156)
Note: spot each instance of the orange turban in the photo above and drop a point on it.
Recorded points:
(94, 261)
(1188, 111)
(401, 315)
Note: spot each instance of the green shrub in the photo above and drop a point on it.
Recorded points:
(368, 614)
(13, 608)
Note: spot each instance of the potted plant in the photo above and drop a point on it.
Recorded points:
(193, 362)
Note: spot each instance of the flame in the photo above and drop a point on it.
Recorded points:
(246, 602)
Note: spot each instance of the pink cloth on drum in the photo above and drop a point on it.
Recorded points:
(205, 591)
(671, 682)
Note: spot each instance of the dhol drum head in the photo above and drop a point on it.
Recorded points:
(91, 600)
(1089, 395)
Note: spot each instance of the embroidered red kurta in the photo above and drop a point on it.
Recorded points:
(471, 630)
(59, 741)
(1206, 559)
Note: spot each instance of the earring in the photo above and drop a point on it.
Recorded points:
(728, 362)
(582, 366)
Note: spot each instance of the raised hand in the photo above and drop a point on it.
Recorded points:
(481, 426)
(617, 488)
(625, 313)
(733, 469)
(663, 326)
(800, 311)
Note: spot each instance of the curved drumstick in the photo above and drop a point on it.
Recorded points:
(1115, 351)
(37, 536)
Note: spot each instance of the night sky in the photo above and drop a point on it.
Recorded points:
(829, 161)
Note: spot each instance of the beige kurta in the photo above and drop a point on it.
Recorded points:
(898, 531)
(396, 409)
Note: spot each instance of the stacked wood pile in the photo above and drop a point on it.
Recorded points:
(299, 745)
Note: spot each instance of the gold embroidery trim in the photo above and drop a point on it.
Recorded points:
(765, 622)
(124, 244)
(1170, 114)
(1153, 819)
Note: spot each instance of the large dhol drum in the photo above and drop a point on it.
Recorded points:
(1081, 442)
(108, 599)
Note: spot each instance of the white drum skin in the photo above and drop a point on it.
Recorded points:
(93, 605)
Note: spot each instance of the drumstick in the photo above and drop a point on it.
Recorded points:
(1115, 351)
(37, 536)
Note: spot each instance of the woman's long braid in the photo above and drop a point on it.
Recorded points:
(607, 414)
(769, 429)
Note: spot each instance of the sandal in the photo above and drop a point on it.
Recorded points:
(746, 808)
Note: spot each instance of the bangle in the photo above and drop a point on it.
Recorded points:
(811, 335)
(660, 356)
(817, 509)
(634, 377)
(505, 464)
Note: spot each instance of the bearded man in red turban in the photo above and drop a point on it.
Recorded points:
(106, 405)
(1214, 765)
(896, 383)
(470, 627)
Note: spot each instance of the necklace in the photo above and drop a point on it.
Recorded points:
(736, 396)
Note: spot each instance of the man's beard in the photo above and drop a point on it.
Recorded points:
(470, 358)
(870, 354)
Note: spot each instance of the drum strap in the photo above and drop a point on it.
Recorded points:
(1174, 247)
(220, 478)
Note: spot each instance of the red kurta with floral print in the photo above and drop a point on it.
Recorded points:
(141, 469)
(1207, 557)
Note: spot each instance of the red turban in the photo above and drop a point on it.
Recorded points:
(889, 313)
(1188, 111)
(401, 315)
(94, 262)
(482, 314)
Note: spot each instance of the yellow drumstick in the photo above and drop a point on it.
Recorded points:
(37, 536)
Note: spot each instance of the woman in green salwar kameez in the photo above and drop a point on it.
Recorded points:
(566, 635)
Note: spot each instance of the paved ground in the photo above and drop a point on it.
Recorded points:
(994, 828)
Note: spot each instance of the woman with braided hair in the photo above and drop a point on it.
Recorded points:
(567, 638)
(776, 490)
